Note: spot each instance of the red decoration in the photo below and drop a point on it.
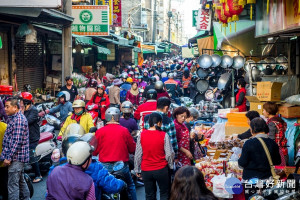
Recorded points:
(235, 9)
(226, 10)
(222, 18)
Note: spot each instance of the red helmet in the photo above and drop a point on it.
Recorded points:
(27, 96)
(101, 86)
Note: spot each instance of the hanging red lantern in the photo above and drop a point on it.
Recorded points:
(235, 9)
(222, 19)
(226, 10)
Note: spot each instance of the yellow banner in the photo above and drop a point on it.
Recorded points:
(292, 16)
(109, 3)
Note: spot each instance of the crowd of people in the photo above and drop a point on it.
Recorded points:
(135, 99)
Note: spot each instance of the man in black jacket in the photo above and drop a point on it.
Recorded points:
(31, 114)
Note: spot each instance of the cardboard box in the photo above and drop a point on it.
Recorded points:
(223, 112)
(237, 117)
(235, 128)
(255, 104)
(269, 91)
(289, 111)
(49, 79)
(56, 80)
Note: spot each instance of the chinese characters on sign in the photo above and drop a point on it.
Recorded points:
(195, 15)
(117, 13)
(90, 20)
(204, 20)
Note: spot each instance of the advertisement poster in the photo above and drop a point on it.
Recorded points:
(117, 13)
(276, 17)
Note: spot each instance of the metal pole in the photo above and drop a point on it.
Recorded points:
(154, 22)
(169, 15)
(232, 97)
(67, 67)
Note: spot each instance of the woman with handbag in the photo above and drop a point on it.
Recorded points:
(259, 155)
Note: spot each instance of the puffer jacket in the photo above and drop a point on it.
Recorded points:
(102, 179)
(86, 121)
(63, 109)
(96, 100)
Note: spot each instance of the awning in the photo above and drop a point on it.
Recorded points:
(200, 34)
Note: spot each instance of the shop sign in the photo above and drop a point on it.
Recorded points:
(195, 14)
(90, 20)
(110, 4)
(1, 42)
(117, 13)
(204, 20)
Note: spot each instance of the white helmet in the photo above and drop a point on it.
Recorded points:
(73, 130)
(171, 75)
(112, 112)
(79, 153)
(159, 85)
(164, 74)
(127, 107)
(67, 94)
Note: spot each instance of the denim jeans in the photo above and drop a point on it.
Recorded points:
(130, 184)
(17, 186)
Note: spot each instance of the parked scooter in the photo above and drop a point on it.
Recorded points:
(95, 111)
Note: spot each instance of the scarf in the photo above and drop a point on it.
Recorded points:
(134, 92)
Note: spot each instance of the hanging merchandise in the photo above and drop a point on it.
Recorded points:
(251, 7)
(235, 9)
(226, 12)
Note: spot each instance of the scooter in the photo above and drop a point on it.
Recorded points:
(95, 112)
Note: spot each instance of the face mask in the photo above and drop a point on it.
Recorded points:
(80, 113)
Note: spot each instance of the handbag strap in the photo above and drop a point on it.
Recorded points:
(275, 176)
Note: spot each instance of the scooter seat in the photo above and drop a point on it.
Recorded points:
(45, 136)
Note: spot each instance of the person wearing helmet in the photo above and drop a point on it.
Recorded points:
(115, 144)
(150, 86)
(159, 87)
(70, 181)
(124, 77)
(102, 179)
(173, 88)
(127, 84)
(78, 116)
(136, 76)
(64, 107)
(126, 120)
(90, 90)
(146, 76)
(99, 101)
(133, 94)
(146, 108)
(69, 87)
(31, 114)
(142, 83)
(186, 80)
(114, 93)
(179, 73)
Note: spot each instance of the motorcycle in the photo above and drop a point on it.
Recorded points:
(95, 112)
(117, 173)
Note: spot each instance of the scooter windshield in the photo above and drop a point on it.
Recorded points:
(73, 130)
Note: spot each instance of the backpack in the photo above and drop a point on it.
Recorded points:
(123, 93)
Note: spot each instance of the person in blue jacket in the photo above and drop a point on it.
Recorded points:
(102, 179)
(64, 107)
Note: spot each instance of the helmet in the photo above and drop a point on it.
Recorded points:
(98, 63)
(67, 142)
(27, 88)
(194, 113)
(27, 97)
(101, 86)
(151, 94)
(131, 72)
(171, 75)
(127, 107)
(79, 153)
(159, 85)
(129, 80)
(125, 76)
(78, 104)
(64, 94)
(140, 77)
(152, 79)
(112, 112)
(164, 74)
(94, 83)
(73, 130)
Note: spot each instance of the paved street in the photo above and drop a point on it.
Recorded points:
(40, 190)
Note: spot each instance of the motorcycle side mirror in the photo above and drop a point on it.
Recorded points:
(93, 129)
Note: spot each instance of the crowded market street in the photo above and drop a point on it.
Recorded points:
(146, 100)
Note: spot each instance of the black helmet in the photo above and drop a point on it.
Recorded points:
(67, 142)
(152, 79)
(151, 94)
(94, 83)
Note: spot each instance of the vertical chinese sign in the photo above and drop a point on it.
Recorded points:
(195, 15)
(204, 20)
(110, 4)
(117, 13)
(90, 20)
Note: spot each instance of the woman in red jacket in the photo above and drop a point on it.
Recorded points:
(133, 94)
(240, 96)
(153, 158)
(100, 100)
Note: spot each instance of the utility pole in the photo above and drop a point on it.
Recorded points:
(154, 22)
(169, 16)
(67, 67)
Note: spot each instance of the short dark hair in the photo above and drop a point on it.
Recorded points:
(242, 82)
(162, 102)
(180, 110)
(14, 102)
(68, 78)
(259, 125)
(134, 83)
(252, 114)
(271, 108)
